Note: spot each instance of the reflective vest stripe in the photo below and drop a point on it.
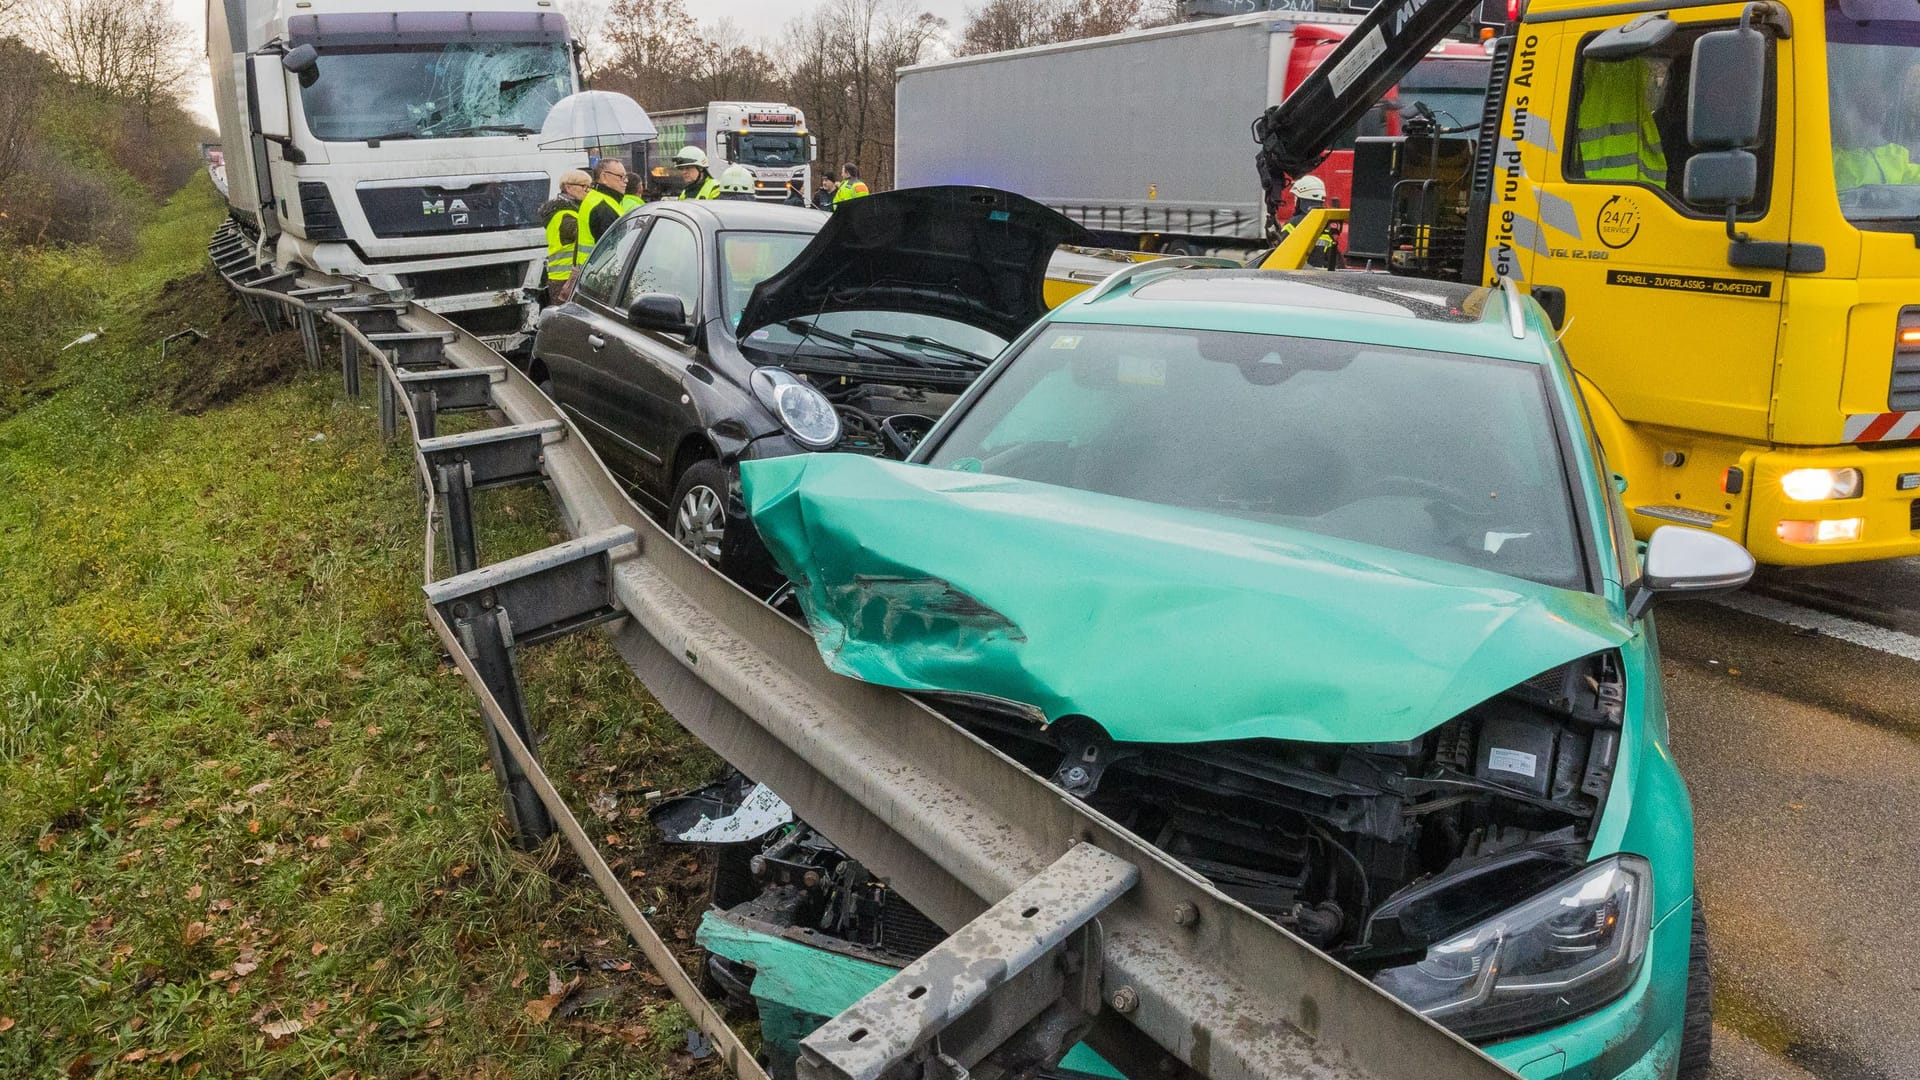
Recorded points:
(562, 257)
(1616, 133)
(709, 189)
(593, 199)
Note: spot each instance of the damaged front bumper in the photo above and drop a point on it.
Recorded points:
(796, 986)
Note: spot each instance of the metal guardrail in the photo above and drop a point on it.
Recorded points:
(1161, 971)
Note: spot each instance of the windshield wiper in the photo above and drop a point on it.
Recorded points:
(408, 133)
(474, 129)
(807, 329)
(925, 343)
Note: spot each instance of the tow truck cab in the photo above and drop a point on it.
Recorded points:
(1758, 387)
(1736, 271)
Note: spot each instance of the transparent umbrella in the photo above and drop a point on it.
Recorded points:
(594, 118)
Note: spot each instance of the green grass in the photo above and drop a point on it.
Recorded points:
(241, 789)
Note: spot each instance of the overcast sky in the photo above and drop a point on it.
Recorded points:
(759, 18)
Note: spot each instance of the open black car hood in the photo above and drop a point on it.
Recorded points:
(971, 254)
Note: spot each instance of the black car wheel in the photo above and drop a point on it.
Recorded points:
(699, 513)
(1696, 1030)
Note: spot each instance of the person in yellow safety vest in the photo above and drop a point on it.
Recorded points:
(562, 215)
(851, 186)
(1615, 134)
(1309, 194)
(1870, 160)
(601, 208)
(632, 200)
(695, 181)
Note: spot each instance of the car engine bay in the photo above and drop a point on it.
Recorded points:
(1371, 852)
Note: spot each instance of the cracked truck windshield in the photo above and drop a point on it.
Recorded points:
(433, 92)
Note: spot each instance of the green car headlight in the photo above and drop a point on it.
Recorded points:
(1565, 952)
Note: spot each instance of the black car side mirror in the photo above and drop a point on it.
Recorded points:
(659, 311)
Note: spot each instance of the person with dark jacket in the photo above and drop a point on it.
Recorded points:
(601, 207)
(796, 192)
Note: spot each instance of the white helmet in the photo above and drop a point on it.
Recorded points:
(690, 157)
(737, 178)
(1310, 187)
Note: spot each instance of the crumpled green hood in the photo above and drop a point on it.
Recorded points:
(1164, 625)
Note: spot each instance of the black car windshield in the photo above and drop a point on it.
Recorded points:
(1438, 454)
(769, 148)
(1873, 74)
(749, 258)
(434, 91)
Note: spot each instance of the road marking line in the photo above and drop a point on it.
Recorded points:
(1878, 638)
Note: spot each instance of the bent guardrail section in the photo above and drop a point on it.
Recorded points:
(1152, 958)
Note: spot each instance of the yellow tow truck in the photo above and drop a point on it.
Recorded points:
(1720, 206)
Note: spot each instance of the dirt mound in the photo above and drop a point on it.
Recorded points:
(235, 357)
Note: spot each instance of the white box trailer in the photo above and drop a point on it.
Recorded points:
(397, 141)
(1143, 137)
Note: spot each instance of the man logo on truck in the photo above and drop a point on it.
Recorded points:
(440, 206)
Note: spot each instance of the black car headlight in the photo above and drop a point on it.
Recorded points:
(1563, 953)
(805, 412)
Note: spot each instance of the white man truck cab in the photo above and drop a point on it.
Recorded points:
(401, 147)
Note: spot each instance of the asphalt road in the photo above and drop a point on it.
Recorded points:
(1800, 740)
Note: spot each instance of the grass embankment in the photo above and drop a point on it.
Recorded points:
(247, 827)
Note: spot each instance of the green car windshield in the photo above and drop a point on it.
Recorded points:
(1437, 454)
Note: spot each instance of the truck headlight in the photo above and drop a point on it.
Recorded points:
(805, 412)
(1814, 485)
(1566, 952)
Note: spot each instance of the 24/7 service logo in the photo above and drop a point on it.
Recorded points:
(1618, 222)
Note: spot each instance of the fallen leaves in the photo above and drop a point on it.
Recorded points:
(279, 1033)
(540, 1008)
(195, 932)
(6, 1023)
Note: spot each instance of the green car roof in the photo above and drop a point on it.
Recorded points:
(1373, 308)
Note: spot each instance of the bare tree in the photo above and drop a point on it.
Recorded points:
(1017, 24)
(840, 61)
(655, 51)
(135, 51)
(20, 77)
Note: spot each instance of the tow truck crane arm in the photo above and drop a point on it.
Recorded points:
(1295, 135)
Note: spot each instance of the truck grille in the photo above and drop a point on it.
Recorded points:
(1903, 391)
(431, 210)
(1913, 515)
(461, 280)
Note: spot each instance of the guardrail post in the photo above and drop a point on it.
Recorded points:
(349, 364)
(455, 480)
(498, 609)
(486, 635)
(389, 408)
(426, 408)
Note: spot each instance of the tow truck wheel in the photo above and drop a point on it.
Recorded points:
(700, 510)
(1696, 1031)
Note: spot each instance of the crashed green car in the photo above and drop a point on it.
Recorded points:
(1318, 583)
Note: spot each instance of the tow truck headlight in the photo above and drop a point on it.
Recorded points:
(1566, 952)
(805, 412)
(1815, 485)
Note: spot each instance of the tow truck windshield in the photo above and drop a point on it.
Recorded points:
(433, 91)
(1873, 77)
